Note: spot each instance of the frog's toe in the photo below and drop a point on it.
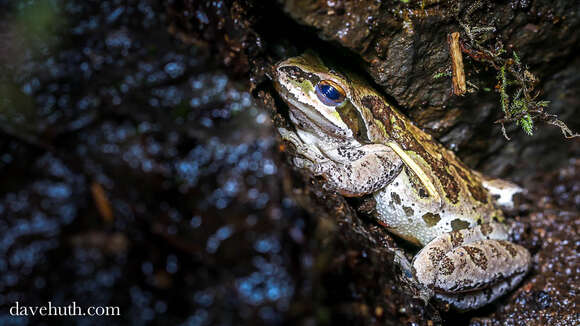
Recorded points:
(403, 263)
(406, 276)
(463, 301)
(304, 163)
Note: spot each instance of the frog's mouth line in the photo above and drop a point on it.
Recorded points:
(303, 111)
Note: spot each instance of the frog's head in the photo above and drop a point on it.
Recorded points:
(317, 96)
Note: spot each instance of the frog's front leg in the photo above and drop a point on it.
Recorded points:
(350, 168)
(359, 170)
(471, 267)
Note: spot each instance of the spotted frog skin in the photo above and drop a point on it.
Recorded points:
(348, 134)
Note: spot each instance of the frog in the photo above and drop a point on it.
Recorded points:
(358, 144)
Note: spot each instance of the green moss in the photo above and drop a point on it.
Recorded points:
(515, 83)
(504, 97)
(527, 124)
(442, 74)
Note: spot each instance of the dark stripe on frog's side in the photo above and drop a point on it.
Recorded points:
(475, 188)
(410, 142)
(477, 256)
(416, 183)
(351, 117)
(509, 247)
(300, 75)
(456, 238)
(446, 266)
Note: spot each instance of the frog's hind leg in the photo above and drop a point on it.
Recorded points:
(471, 267)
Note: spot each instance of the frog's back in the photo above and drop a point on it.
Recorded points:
(435, 192)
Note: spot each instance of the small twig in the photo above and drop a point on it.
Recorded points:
(458, 79)
(568, 134)
(102, 202)
(504, 132)
(474, 87)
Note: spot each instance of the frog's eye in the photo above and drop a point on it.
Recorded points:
(330, 93)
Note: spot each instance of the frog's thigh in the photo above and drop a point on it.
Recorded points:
(470, 259)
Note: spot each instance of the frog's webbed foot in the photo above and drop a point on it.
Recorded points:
(407, 277)
(307, 156)
(471, 267)
(301, 148)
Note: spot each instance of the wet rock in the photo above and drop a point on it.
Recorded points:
(403, 46)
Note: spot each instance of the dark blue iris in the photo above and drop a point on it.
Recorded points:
(329, 94)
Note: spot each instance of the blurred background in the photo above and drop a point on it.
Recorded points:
(137, 170)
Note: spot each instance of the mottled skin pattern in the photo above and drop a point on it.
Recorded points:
(423, 193)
